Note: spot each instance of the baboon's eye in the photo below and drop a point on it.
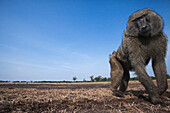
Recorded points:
(143, 16)
(147, 19)
(135, 20)
(136, 24)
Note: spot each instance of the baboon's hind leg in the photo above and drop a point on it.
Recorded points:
(116, 74)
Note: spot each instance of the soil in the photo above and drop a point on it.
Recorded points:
(77, 97)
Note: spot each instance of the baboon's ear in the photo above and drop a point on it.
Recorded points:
(114, 52)
(156, 23)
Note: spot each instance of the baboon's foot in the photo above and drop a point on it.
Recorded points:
(117, 93)
(155, 100)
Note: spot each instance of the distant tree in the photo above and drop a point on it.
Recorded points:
(4, 81)
(153, 78)
(74, 78)
(84, 80)
(108, 79)
(92, 78)
(97, 79)
(104, 79)
(168, 76)
(16, 81)
(134, 78)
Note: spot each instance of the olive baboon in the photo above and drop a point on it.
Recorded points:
(143, 40)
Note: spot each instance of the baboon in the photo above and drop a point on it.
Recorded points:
(143, 40)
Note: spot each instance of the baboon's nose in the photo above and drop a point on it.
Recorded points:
(144, 27)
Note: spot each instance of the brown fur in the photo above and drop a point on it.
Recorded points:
(135, 52)
(116, 70)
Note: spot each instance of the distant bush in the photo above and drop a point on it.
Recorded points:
(1, 81)
(74, 78)
(102, 79)
(92, 79)
(99, 79)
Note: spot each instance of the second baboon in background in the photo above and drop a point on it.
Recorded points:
(143, 40)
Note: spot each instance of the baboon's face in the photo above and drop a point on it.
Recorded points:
(142, 23)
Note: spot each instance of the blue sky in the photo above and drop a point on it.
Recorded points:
(60, 39)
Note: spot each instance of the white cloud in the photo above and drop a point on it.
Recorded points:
(16, 70)
(81, 55)
(9, 47)
(31, 65)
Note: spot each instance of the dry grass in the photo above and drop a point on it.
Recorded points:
(58, 83)
(77, 98)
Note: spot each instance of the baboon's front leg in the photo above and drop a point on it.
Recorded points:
(159, 68)
(125, 80)
(148, 84)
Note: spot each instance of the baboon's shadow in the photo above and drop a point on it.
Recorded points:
(140, 94)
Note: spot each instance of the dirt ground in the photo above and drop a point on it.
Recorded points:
(77, 97)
